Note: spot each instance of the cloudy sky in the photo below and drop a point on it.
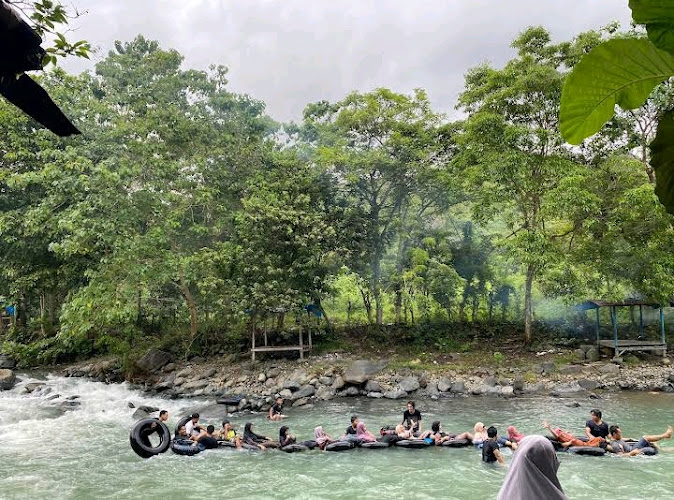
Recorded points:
(291, 52)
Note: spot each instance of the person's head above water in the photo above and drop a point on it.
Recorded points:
(279, 400)
(182, 431)
(479, 427)
(615, 432)
(411, 406)
(210, 429)
(283, 431)
(435, 426)
(163, 415)
(354, 421)
(492, 432)
(195, 417)
(532, 472)
(595, 414)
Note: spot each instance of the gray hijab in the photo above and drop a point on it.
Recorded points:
(533, 472)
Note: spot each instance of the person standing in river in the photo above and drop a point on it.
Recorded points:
(276, 411)
(412, 418)
(595, 427)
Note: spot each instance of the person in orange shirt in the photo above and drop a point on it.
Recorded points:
(566, 439)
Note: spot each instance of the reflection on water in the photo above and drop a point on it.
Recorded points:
(85, 453)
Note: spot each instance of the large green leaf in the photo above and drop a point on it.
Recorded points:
(658, 16)
(622, 72)
(662, 160)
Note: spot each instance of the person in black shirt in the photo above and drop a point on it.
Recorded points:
(284, 437)
(352, 428)
(412, 418)
(490, 448)
(276, 411)
(207, 441)
(595, 427)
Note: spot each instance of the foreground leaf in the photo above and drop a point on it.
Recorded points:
(658, 17)
(662, 160)
(622, 72)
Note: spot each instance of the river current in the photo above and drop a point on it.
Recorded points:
(85, 453)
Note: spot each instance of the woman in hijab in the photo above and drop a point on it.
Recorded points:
(363, 434)
(322, 439)
(533, 472)
(260, 442)
(284, 437)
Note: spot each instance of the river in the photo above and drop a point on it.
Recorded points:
(85, 452)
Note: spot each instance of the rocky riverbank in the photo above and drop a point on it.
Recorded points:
(243, 385)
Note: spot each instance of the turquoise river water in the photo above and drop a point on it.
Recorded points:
(85, 453)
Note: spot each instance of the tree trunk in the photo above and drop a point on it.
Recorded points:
(376, 289)
(367, 303)
(528, 306)
(191, 304)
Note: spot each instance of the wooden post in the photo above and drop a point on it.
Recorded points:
(641, 320)
(252, 351)
(597, 310)
(265, 331)
(301, 343)
(614, 313)
(662, 331)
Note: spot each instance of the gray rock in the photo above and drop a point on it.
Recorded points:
(242, 404)
(286, 393)
(292, 384)
(153, 360)
(592, 354)
(570, 369)
(261, 377)
(490, 382)
(338, 383)
(459, 387)
(580, 354)
(273, 372)
(508, 390)
(671, 377)
(609, 369)
(209, 373)
(518, 383)
(362, 370)
(325, 394)
(548, 367)
(588, 384)
(30, 387)
(375, 395)
(130, 405)
(444, 384)
(7, 379)
(304, 392)
(537, 369)
(373, 386)
(300, 402)
(195, 384)
(325, 380)
(143, 412)
(184, 373)
(409, 384)
(7, 363)
(351, 391)
(179, 381)
(270, 382)
(562, 390)
(169, 367)
(396, 393)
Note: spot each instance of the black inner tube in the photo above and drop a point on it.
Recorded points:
(139, 437)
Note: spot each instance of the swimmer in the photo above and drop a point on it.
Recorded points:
(617, 445)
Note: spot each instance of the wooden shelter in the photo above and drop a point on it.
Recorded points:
(301, 345)
(620, 346)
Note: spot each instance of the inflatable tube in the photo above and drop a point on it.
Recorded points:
(184, 447)
(226, 444)
(293, 448)
(180, 423)
(311, 444)
(413, 443)
(390, 439)
(556, 444)
(139, 437)
(649, 450)
(375, 445)
(339, 446)
(593, 451)
(457, 443)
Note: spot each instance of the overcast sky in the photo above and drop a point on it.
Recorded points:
(292, 52)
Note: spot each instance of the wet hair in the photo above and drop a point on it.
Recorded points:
(248, 427)
(596, 412)
(225, 422)
(283, 431)
(435, 426)
(195, 415)
(412, 403)
(182, 427)
(210, 429)
(162, 413)
(491, 432)
(613, 429)
(354, 418)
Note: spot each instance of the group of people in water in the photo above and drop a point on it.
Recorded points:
(597, 434)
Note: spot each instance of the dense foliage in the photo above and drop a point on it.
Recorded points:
(185, 214)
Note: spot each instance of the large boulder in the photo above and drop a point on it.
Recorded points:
(459, 387)
(609, 369)
(396, 393)
(292, 384)
(444, 384)
(362, 370)
(325, 393)
(588, 384)
(144, 412)
(153, 360)
(372, 386)
(338, 383)
(409, 384)
(6, 362)
(7, 379)
(592, 354)
(304, 392)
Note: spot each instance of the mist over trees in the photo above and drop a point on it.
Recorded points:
(184, 212)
